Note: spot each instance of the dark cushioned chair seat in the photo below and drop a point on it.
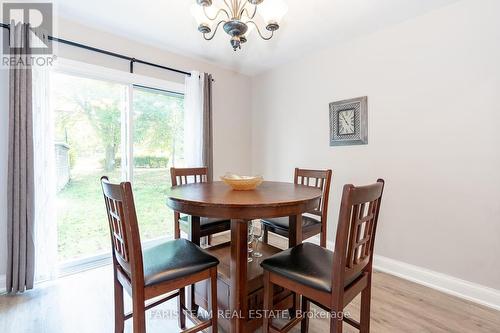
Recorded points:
(307, 264)
(174, 259)
(283, 222)
(207, 221)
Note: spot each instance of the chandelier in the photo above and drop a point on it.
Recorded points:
(238, 18)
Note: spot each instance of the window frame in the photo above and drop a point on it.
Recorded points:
(131, 81)
(90, 71)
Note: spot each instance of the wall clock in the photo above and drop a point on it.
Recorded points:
(349, 122)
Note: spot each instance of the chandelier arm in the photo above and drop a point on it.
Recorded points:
(235, 7)
(242, 6)
(260, 33)
(245, 10)
(242, 9)
(254, 12)
(222, 10)
(215, 31)
(228, 6)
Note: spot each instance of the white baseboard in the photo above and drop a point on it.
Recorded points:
(445, 283)
(3, 281)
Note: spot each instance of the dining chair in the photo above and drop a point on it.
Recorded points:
(195, 227)
(331, 280)
(314, 222)
(162, 270)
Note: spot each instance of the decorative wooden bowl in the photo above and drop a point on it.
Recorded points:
(242, 183)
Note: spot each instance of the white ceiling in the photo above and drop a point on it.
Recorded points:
(308, 25)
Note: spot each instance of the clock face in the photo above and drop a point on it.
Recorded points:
(347, 122)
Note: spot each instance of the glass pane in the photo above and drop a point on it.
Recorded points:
(87, 116)
(158, 144)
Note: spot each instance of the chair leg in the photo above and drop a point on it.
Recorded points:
(322, 241)
(181, 304)
(138, 312)
(177, 228)
(191, 302)
(194, 230)
(119, 315)
(209, 240)
(194, 236)
(295, 238)
(335, 322)
(306, 307)
(265, 237)
(365, 309)
(212, 299)
(292, 312)
(268, 302)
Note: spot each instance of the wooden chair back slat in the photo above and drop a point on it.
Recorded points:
(320, 179)
(356, 231)
(123, 227)
(184, 176)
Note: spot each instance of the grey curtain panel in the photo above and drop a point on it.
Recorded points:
(208, 141)
(20, 207)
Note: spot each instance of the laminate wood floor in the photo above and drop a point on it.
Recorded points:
(84, 303)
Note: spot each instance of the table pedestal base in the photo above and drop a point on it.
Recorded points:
(283, 299)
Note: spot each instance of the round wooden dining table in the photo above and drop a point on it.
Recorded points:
(270, 199)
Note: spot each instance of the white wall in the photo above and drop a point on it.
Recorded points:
(231, 102)
(433, 85)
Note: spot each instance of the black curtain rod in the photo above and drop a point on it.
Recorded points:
(109, 53)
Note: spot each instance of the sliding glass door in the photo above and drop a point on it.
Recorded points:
(87, 129)
(157, 144)
(121, 130)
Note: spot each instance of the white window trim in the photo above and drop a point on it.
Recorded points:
(79, 68)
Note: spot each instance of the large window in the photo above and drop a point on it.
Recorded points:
(116, 128)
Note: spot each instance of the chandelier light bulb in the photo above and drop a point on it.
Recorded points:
(204, 23)
(273, 11)
(205, 3)
(198, 15)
